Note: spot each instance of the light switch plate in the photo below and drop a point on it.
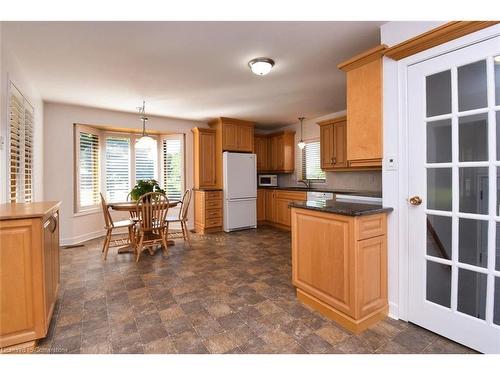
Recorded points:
(391, 163)
(2, 142)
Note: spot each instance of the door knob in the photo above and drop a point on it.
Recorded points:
(415, 200)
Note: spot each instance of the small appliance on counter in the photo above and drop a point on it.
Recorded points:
(268, 180)
(240, 191)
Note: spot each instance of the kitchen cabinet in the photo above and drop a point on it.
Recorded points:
(280, 154)
(29, 272)
(339, 265)
(207, 211)
(261, 146)
(270, 211)
(333, 143)
(206, 174)
(277, 212)
(261, 205)
(364, 108)
(234, 135)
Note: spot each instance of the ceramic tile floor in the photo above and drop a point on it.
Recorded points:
(226, 294)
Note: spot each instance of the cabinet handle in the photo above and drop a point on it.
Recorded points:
(334, 160)
(331, 160)
(54, 220)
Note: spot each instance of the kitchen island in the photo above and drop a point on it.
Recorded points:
(339, 260)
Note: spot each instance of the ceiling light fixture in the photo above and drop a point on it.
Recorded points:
(301, 144)
(497, 59)
(261, 65)
(145, 141)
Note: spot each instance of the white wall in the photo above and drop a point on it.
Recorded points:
(11, 70)
(393, 33)
(352, 180)
(59, 160)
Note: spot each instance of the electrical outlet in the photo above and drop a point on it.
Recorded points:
(391, 164)
(2, 142)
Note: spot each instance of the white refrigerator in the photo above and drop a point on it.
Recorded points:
(240, 191)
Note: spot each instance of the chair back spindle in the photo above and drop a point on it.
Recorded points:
(152, 208)
(108, 220)
(186, 200)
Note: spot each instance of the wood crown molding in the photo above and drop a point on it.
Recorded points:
(222, 120)
(332, 120)
(363, 58)
(435, 37)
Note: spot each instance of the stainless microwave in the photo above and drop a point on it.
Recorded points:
(268, 180)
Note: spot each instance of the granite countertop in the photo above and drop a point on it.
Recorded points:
(341, 208)
(26, 210)
(364, 193)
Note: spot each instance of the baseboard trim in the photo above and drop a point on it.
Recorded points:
(393, 311)
(89, 236)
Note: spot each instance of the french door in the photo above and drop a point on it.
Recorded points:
(454, 186)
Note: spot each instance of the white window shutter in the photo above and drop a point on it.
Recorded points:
(311, 162)
(21, 114)
(88, 170)
(173, 166)
(117, 168)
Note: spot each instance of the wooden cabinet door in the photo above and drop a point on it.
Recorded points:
(282, 211)
(270, 210)
(22, 307)
(288, 152)
(326, 146)
(279, 153)
(208, 166)
(339, 145)
(261, 204)
(371, 269)
(230, 134)
(245, 138)
(364, 114)
(48, 265)
(322, 263)
(273, 154)
(261, 150)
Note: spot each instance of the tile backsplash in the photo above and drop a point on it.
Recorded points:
(352, 180)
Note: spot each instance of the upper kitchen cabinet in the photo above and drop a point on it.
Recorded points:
(276, 152)
(261, 146)
(235, 135)
(364, 108)
(205, 159)
(333, 143)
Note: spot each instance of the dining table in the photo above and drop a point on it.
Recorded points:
(131, 207)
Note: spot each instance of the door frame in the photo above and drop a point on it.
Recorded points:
(395, 179)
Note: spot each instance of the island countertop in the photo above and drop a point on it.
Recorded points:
(341, 208)
(10, 211)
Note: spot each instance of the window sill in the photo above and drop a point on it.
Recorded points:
(92, 211)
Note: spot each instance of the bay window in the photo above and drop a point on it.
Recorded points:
(112, 162)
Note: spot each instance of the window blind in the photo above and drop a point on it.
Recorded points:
(173, 168)
(146, 158)
(311, 162)
(20, 147)
(117, 168)
(89, 169)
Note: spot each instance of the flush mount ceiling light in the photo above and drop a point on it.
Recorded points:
(497, 59)
(261, 65)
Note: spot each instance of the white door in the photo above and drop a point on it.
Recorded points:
(240, 175)
(454, 164)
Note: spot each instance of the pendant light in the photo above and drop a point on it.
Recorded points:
(145, 141)
(301, 144)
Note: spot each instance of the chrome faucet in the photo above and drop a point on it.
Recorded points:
(306, 182)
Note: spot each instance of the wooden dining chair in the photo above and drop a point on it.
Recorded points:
(109, 225)
(182, 218)
(133, 214)
(152, 209)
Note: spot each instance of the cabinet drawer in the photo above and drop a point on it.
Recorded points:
(371, 226)
(213, 222)
(213, 213)
(291, 195)
(213, 195)
(213, 204)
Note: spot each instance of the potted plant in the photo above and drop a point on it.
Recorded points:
(145, 186)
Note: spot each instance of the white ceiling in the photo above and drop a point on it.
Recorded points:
(192, 70)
